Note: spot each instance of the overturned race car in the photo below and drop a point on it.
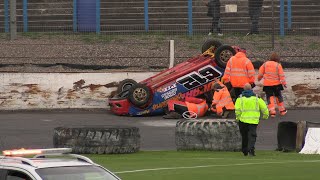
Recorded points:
(191, 78)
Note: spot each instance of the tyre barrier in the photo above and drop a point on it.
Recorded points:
(286, 136)
(98, 140)
(213, 135)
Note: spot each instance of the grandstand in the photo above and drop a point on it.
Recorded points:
(165, 16)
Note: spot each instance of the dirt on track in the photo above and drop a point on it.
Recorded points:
(103, 53)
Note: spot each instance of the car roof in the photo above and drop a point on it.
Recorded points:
(41, 163)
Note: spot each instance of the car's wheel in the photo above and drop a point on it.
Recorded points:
(139, 95)
(124, 86)
(223, 54)
(210, 43)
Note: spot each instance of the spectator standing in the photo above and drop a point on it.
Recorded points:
(214, 12)
(222, 103)
(248, 108)
(255, 8)
(273, 83)
(238, 72)
(177, 108)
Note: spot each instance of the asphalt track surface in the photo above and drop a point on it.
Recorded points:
(34, 129)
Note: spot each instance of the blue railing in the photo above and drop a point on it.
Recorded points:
(146, 15)
(6, 15)
(25, 15)
(282, 16)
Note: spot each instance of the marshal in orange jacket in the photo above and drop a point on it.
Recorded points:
(272, 73)
(239, 71)
(222, 98)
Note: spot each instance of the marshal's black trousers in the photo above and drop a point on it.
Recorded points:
(249, 135)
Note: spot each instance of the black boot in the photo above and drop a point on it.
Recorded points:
(245, 153)
(252, 153)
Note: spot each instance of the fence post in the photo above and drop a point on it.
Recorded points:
(281, 17)
(289, 14)
(146, 15)
(6, 16)
(98, 16)
(13, 19)
(25, 15)
(171, 59)
(75, 19)
(272, 7)
(190, 17)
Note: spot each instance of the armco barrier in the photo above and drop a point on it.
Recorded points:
(91, 90)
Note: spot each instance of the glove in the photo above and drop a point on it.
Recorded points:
(213, 110)
(284, 86)
(253, 85)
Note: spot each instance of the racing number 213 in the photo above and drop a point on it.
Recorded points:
(194, 79)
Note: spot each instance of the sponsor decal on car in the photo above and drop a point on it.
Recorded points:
(195, 79)
(169, 94)
(181, 96)
(167, 88)
(143, 112)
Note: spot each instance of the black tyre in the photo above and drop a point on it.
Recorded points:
(286, 136)
(98, 140)
(210, 43)
(223, 54)
(124, 86)
(139, 95)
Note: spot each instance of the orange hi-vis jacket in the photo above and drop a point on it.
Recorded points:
(222, 98)
(239, 71)
(197, 105)
(272, 73)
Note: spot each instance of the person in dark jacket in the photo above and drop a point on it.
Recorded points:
(255, 8)
(214, 12)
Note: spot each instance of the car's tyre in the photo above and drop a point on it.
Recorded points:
(223, 54)
(139, 95)
(98, 140)
(213, 135)
(124, 86)
(210, 43)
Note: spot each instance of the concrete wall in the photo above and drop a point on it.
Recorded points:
(59, 90)
(91, 90)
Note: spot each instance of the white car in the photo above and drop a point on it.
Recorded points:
(60, 166)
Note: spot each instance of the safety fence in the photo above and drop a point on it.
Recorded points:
(180, 16)
(113, 33)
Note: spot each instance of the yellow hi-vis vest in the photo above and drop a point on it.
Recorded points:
(248, 109)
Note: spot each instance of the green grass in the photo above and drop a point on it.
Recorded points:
(203, 165)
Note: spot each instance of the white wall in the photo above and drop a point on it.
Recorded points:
(303, 88)
(91, 90)
(59, 90)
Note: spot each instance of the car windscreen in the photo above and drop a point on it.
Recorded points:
(75, 173)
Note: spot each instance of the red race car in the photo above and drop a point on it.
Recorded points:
(193, 77)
